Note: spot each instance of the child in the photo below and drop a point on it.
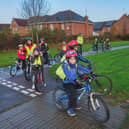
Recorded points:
(37, 65)
(63, 48)
(21, 55)
(70, 68)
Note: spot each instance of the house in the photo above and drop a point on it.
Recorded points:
(101, 27)
(19, 26)
(4, 26)
(68, 21)
(121, 26)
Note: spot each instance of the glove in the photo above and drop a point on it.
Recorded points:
(79, 82)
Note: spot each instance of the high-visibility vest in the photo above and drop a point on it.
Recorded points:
(63, 58)
(80, 39)
(64, 48)
(60, 73)
(30, 51)
(38, 61)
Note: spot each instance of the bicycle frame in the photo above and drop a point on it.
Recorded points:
(86, 89)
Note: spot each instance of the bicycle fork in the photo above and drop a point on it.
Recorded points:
(95, 103)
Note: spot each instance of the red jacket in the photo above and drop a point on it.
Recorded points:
(20, 55)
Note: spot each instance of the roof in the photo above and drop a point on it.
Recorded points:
(2, 26)
(21, 22)
(63, 16)
(100, 25)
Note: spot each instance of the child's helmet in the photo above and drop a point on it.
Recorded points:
(73, 43)
(42, 39)
(71, 53)
(29, 38)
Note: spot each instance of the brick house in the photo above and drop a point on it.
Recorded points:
(19, 26)
(68, 21)
(4, 26)
(121, 27)
(101, 27)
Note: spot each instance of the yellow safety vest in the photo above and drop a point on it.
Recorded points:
(37, 61)
(64, 48)
(63, 58)
(80, 39)
(30, 51)
(60, 73)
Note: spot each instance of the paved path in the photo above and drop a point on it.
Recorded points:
(41, 113)
(112, 49)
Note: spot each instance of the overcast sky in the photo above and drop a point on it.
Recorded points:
(97, 10)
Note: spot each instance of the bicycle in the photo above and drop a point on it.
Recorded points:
(38, 78)
(95, 101)
(28, 70)
(15, 68)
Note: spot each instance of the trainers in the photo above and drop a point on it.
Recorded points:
(33, 86)
(78, 107)
(71, 112)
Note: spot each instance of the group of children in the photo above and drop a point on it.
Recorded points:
(70, 66)
(31, 49)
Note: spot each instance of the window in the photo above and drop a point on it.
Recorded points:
(16, 30)
(30, 28)
(67, 26)
(51, 27)
(109, 29)
(62, 26)
(37, 27)
(41, 27)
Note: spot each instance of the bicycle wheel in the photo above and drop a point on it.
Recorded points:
(39, 83)
(99, 109)
(28, 73)
(13, 70)
(60, 99)
(57, 58)
(102, 84)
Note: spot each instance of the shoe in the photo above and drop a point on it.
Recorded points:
(71, 112)
(33, 86)
(78, 107)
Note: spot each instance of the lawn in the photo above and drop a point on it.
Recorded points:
(114, 64)
(7, 58)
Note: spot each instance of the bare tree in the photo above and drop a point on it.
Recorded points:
(30, 8)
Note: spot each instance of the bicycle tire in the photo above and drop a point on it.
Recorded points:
(11, 70)
(94, 114)
(27, 73)
(58, 104)
(102, 84)
(39, 84)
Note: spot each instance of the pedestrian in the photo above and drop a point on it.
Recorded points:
(44, 49)
(80, 40)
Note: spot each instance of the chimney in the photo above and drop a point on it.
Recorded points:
(86, 18)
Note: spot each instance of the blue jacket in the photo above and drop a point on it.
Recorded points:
(71, 74)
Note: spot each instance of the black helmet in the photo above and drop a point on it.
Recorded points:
(42, 39)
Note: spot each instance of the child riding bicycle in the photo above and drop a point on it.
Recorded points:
(73, 45)
(63, 48)
(21, 55)
(69, 74)
(36, 60)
